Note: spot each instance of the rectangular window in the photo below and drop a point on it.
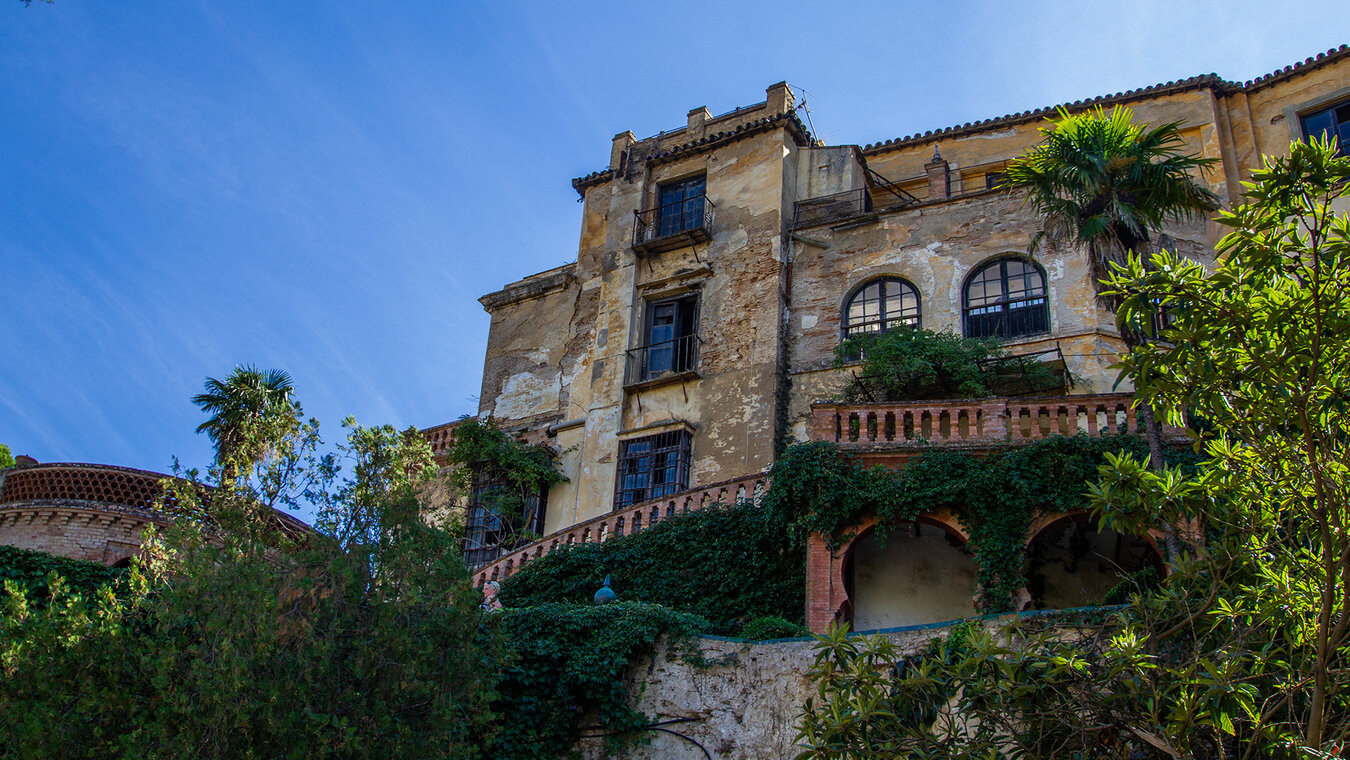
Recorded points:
(680, 206)
(1333, 121)
(652, 467)
(670, 337)
(499, 519)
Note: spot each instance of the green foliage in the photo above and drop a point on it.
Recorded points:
(32, 572)
(726, 564)
(566, 664)
(239, 642)
(817, 488)
(6, 457)
(251, 409)
(908, 363)
(769, 627)
(503, 472)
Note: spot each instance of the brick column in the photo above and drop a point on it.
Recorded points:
(622, 142)
(779, 98)
(939, 177)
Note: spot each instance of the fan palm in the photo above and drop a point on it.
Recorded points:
(1103, 182)
(238, 404)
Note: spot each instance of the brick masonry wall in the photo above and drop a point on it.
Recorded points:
(84, 530)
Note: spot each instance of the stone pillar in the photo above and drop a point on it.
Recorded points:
(622, 142)
(939, 177)
(696, 119)
(779, 98)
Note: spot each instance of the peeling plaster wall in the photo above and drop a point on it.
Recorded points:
(771, 297)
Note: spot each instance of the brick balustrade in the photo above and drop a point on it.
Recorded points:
(974, 422)
(624, 522)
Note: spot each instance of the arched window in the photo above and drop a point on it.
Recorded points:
(879, 305)
(1006, 299)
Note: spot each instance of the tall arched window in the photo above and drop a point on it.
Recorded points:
(879, 305)
(1006, 299)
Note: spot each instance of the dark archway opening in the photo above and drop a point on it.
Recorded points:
(1073, 564)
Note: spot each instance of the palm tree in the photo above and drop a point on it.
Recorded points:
(1107, 184)
(241, 402)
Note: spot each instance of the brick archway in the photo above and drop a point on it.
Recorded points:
(827, 598)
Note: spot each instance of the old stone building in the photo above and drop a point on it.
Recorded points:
(721, 262)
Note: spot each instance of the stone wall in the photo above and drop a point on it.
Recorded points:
(744, 707)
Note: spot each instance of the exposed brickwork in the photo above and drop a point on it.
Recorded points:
(91, 512)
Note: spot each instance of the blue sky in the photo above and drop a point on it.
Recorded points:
(328, 187)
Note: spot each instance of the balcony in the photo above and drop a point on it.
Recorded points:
(666, 228)
(667, 360)
(831, 208)
(975, 423)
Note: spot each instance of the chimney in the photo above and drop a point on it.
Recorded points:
(779, 98)
(622, 142)
(939, 177)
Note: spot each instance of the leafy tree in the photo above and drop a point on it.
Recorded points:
(1107, 184)
(1243, 650)
(250, 409)
(6, 458)
(239, 641)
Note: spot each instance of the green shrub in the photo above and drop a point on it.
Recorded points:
(727, 564)
(769, 627)
(906, 363)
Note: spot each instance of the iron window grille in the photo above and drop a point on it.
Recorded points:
(1006, 299)
(499, 519)
(652, 467)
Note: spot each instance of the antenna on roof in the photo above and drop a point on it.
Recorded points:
(807, 110)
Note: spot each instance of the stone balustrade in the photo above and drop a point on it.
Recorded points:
(626, 521)
(974, 423)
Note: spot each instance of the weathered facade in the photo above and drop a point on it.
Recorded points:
(720, 264)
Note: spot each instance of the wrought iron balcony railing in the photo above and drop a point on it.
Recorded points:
(669, 357)
(675, 226)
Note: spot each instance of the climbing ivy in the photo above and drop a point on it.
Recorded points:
(32, 571)
(818, 488)
(564, 673)
(727, 564)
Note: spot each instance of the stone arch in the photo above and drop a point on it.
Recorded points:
(1070, 563)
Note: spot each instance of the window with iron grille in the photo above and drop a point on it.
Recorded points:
(652, 467)
(680, 206)
(1333, 121)
(880, 305)
(499, 518)
(1006, 299)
